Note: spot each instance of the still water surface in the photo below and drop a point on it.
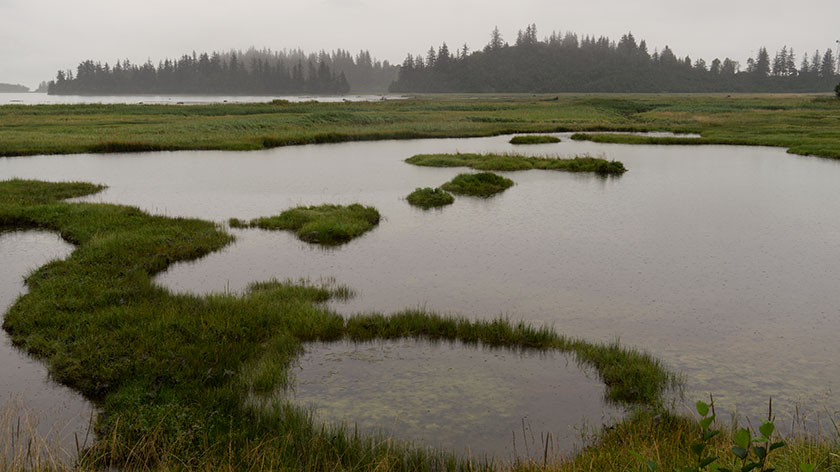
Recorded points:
(722, 261)
(44, 99)
(471, 400)
(31, 405)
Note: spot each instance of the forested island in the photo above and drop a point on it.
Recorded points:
(562, 62)
(570, 63)
(253, 72)
(13, 88)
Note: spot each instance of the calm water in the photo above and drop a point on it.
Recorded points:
(28, 398)
(722, 261)
(44, 99)
(465, 399)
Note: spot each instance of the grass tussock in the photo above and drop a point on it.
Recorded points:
(534, 139)
(173, 374)
(515, 162)
(483, 184)
(430, 198)
(324, 224)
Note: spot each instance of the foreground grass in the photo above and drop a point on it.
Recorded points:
(175, 375)
(430, 198)
(801, 123)
(665, 439)
(483, 184)
(534, 139)
(514, 162)
(329, 225)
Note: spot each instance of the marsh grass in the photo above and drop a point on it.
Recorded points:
(534, 139)
(804, 124)
(24, 445)
(172, 373)
(328, 225)
(430, 198)
(515, 162)
(483, 184)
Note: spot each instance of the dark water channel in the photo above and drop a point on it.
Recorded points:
(722, 261)
(32, 407)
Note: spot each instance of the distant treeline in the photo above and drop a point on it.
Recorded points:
(253, 72)
(13, 88)
(568, 63)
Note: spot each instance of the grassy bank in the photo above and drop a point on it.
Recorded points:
(514, 162)
(175, 375)
(804, 124)
(665, 440)
(329, 225)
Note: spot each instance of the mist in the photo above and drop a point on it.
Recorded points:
(39, 37)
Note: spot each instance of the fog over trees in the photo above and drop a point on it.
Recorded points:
(253, 72)
(561, 62)
(566, 62)
(13, 88)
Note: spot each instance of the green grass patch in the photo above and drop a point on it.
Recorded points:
(639, 139)
(514, 162)
(329, 225)
(430, 198)
(803, 124)
(483, 184)
(534, 139)
(176, 376)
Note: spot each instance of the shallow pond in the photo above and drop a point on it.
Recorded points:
(720, 260)
(32, 406)
(472, 400)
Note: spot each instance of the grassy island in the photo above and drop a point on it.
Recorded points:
(430, 198)
(483, 184)
(534, 139)
(175, 375)
(514, 162)
(324, 224)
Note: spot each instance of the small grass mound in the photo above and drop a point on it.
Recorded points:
(484, 184)
(534, 139)
(324, 224)
(514, 162)
(430, 198)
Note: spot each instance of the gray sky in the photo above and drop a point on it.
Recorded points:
(38, 37)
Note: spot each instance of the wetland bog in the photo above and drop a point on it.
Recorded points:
(697, 255)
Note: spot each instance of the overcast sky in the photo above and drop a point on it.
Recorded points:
(38, 37)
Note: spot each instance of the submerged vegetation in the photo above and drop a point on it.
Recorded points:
(483, 184)
(323, 224)
(802, 124)
(172, 374)
(430, 197)
(512, 162)
(534, 139)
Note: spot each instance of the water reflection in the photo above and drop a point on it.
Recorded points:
(37, 416)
